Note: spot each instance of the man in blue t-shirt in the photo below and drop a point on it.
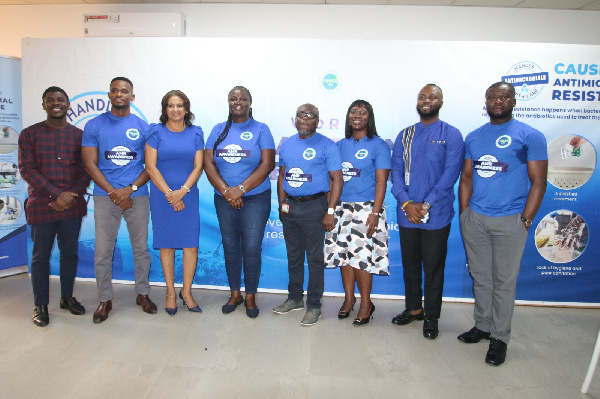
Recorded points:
(501, 188)
(308, 162)
(112, 149)
(426, 162)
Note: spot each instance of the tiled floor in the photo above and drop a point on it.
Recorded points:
(211, 355)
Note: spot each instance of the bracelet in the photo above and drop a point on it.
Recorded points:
(376, 214)
(186, 189)
(404, 204)
(169, 192)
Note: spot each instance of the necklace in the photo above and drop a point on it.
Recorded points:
(172, 128)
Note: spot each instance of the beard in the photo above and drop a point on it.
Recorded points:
(120, 106)
(434, 111)
(306, 132)
(502, 115)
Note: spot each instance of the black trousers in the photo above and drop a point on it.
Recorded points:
(66, 233)
(424, 250)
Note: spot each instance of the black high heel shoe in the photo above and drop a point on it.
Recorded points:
(343, 315)
(194, 309)
(359, 322)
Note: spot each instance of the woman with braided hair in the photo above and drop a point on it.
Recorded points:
(239, 156)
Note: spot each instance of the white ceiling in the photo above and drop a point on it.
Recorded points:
(588, 5)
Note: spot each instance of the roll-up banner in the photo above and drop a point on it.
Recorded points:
(13, 227)
(558, 93)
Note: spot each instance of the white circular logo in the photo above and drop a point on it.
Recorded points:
(361, 154)
(133, 134)
(485, 165)
(232, 155)
(246, 136)
(309, 154)
(346, 166)
(120, 155)
(503, 141)
(294, 177)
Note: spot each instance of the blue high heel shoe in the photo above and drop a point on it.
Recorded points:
(194, 309)
(171, 311)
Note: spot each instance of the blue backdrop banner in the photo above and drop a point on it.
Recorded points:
(558, 93)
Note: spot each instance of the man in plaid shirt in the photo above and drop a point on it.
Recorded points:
(50, 161)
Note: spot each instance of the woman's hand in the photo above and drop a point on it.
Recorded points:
(178, 206)
(237, 204)
(372, 223)
(232, 194)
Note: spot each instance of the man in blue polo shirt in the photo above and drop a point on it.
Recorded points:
(307, 164)
(426, 162)
(113, 154)
(501, 188)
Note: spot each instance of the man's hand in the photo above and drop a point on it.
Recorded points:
(125, 205)
(56, 206)
(66, 200)
(121, 196)
(414, 212)
(328, 222)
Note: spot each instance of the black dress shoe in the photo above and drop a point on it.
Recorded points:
(407, 317)
(473, 336)
(40, 316)
(430, 328)
(496, 353)
(72, 305)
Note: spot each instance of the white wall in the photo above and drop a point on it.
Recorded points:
(320, 22)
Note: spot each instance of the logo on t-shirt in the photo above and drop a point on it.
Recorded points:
(503, 141)
(232, 153)
(487, 166)
(246, 136)
(296, 177)
(120, 155)
(361, 154)
(309, 154)
(349, 171)
(132, 134)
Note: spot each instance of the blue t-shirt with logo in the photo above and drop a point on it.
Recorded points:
(499, 156)
(360, 160)
(120, 142)
(308, 163)
(239, 154)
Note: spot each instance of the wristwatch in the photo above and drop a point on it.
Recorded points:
(425, 205)
(526, 221)
(242, 188)
(330, 211)
(133, 187)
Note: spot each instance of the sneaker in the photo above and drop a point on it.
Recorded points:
(288, 306)
(311, 317)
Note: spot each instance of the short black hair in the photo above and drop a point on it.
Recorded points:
(53, 89)
(124, 79)
(497, 84)
(434, 85)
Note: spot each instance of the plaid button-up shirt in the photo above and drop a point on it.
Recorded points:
(50, 161)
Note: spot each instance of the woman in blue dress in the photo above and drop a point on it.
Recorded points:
(174, 157)
(359, 242)
(240, 155)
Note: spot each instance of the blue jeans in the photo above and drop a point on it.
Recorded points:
(66, 233)
(242, 231)
(305, 236)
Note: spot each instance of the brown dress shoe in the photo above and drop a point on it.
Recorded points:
(101, 313)
(146, 303)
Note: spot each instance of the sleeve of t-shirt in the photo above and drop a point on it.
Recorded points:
(537, 149)
(281, 152)
(153, 136)
(212, 138)
(266, 141)
(383, 156)
(90, 135)
(468, 146)
(333, 157)
(199, 138)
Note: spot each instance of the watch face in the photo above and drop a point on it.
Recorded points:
(330, 211)
(134, 187)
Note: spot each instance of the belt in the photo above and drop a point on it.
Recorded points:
(305, 198)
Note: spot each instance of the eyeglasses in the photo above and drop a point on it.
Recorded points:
(307, 115)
